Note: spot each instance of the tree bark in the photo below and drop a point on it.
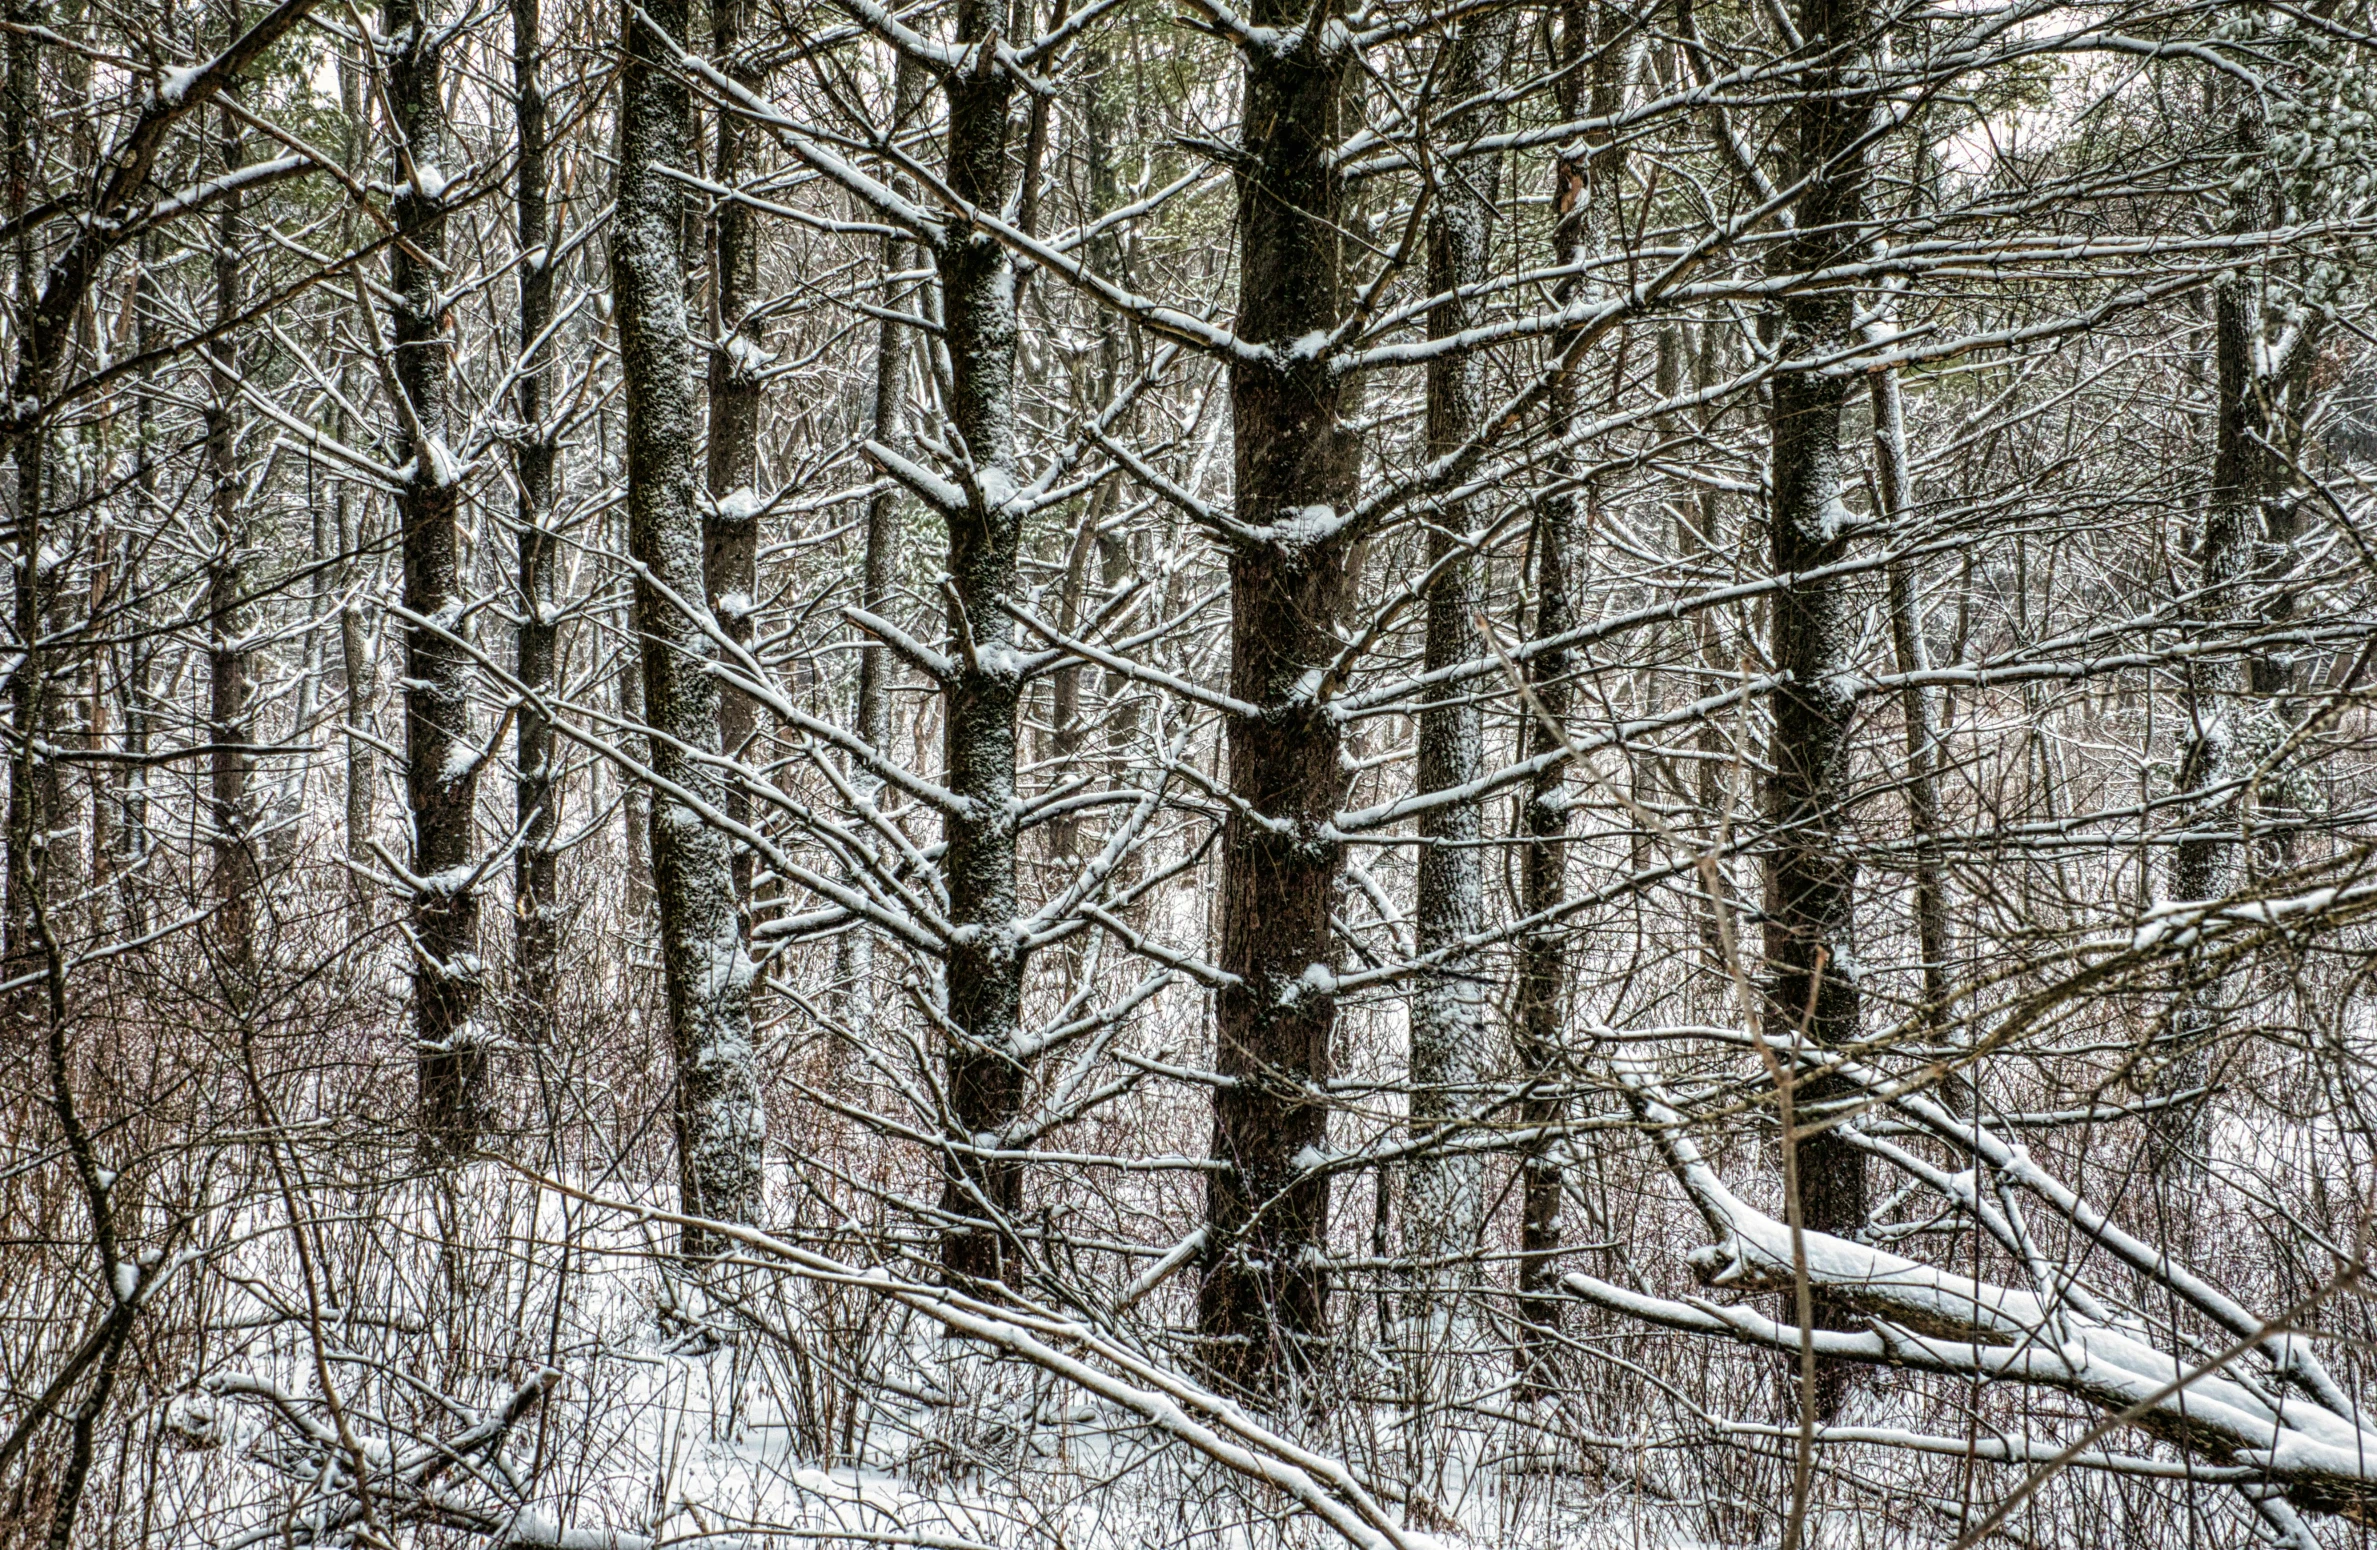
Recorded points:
(721, 1123)
(442, 758)
(1915, 701)
(984, 970)
(730, 528)
(1811, 874)
(31, 777)
(1444, 1191)
(536, 794)
(230, 812)
(1542, 970)
(2237, 701)
(1262, 1308)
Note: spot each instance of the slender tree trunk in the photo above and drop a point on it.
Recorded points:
(442, 756)
(31, 777)
(635, 799)
(230, 813)
(1915, 701)
(1070, 728)
(358, 662)
(730, 529)
(535, 794)
(357, 656)
(1444, 1191)
(985, 965)
(1262, 1309)
(1701, 521)
(1102, 126)
(1813, 989)
(139, 651)
(721, 1121)
(1543, 815)
(854, 950)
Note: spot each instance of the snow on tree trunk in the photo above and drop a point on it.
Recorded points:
(442, 756)
(730, 528)
(1811, 873)
(1891, 466)
(984, 969)
(31, 777)
(721, 1123)
(1542, 969)
(1444, 1191)
(1262, 1308)
(535, 795)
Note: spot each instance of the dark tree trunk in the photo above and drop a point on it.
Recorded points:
(854, 965)
(31, 777)
(230, 812)
(1812, 988)
(720, 1119)
(50, 304)
(1543, 815)
(730, 529)
(536, 795)
(2238, 702)
(442, 758)
(984, 971)
(1263, 1306)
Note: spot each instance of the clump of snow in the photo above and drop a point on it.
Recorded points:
(174, 85)
(740, 504)
(443, 470)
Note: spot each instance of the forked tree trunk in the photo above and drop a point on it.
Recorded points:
(535, 794)
(442, 756)
(2237, 700)
(1812, 987)
(1262, 1308)
(721, 1124)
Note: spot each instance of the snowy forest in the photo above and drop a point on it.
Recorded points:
(1197, 774)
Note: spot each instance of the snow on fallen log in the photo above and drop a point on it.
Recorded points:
(2314, 1447)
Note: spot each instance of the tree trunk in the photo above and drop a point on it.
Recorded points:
(985, 965)
(2238, 711)
(442, 758)
(535, 794)
(1444, 1192)
(1263, 1306)
(854, 963)
(230, 813)
(358, 656)
(721, 1123)
(1813, 986)
(1915, 702)
(31, 777)
(730, 529)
